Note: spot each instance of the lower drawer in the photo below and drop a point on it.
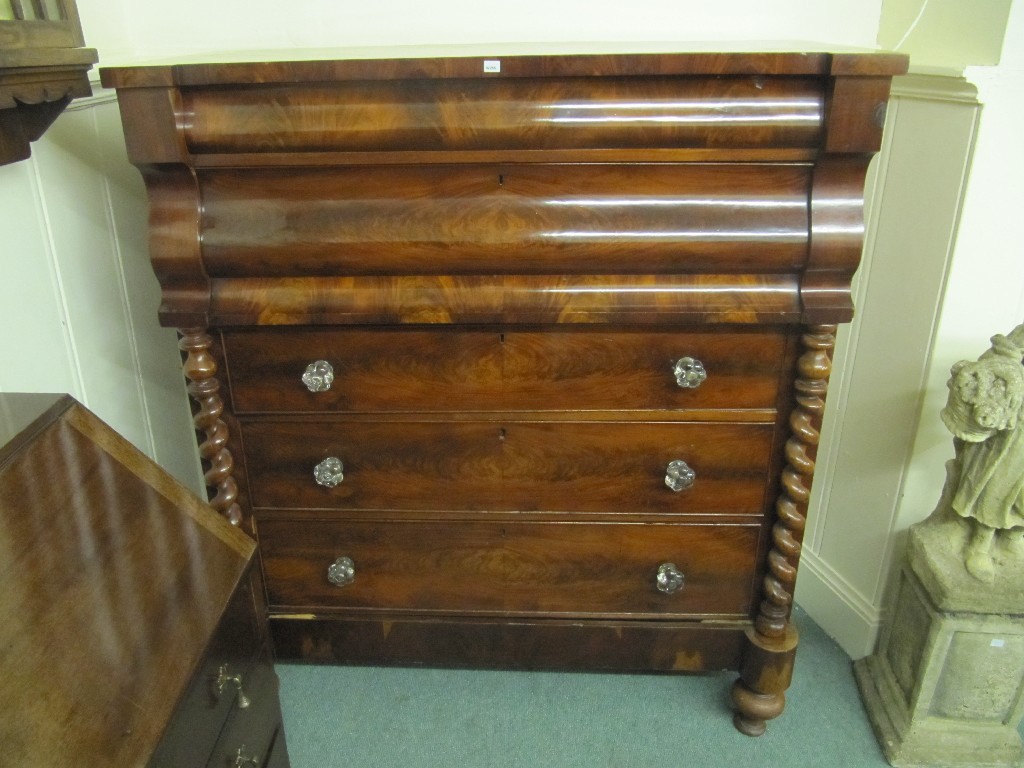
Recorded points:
(510, 568)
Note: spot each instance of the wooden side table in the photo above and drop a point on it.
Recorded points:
(130, 629)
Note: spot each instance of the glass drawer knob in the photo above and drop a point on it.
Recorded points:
(669, 579)
(341, 572)
(679, 476)
(319, 376)
(689, 372)
(329, 472)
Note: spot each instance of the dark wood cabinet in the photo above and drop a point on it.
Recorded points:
(519, 362)
(43, 66)
(132, 621)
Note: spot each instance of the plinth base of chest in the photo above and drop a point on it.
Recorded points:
(517, 644)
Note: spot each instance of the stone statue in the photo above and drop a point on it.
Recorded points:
(946, 686)
(985, 481)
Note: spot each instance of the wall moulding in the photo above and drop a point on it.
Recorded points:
(915, 197)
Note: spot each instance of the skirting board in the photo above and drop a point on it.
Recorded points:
(836, 607)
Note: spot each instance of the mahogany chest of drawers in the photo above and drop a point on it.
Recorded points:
(131, 619)
(515, 362)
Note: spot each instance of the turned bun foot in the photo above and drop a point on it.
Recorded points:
(753, 710)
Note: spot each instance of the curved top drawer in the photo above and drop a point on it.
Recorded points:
(555, 113)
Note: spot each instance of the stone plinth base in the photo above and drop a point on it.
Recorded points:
(946, 687)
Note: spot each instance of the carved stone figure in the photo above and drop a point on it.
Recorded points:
(946, 686)
(985, 481)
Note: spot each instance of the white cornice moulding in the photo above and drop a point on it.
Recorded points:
(934, 88)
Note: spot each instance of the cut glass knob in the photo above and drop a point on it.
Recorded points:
(679, 476)
(341, 572)
(689, 372)
(329, 472)
(318, 376)
(669, 579)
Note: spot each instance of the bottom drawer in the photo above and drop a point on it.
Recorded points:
(509, 568)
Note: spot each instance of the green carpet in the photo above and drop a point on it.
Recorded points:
(361, 717)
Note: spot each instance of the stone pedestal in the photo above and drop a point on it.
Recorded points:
(946, 687)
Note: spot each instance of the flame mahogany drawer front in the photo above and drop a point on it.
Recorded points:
(506, 346)
(514, 219)
(418, 370)
(425, 113)
(613, 467)
(512, 568)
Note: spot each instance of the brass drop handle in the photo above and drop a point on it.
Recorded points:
(341, 572)
(242, 759)
(689, 372)
(224, 677)
(329, 472)
(669, 578)
(319, 376)
(679, 476)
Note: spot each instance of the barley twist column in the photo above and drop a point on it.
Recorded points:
(759, 694)
(200, 370)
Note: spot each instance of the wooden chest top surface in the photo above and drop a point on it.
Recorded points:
(464, 66)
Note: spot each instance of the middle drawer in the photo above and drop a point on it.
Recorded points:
(607, 466)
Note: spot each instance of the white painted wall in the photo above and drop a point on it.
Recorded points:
(985, 294)
(79, 301)
(887, 448)
(124, 30)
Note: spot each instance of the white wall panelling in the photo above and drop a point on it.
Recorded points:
(78, 224)
(916, 193)
(76, 292)
(37, 349)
